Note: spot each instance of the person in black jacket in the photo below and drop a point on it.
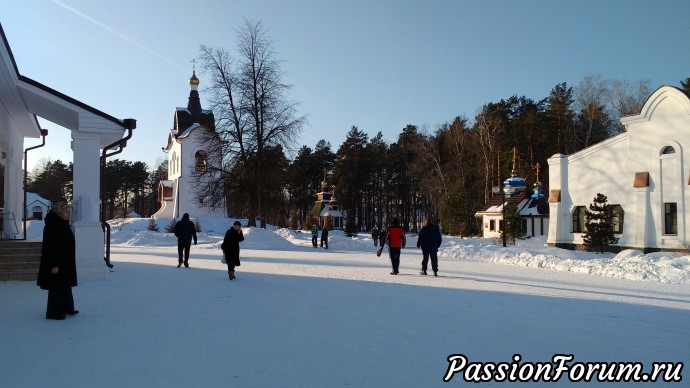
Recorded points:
(58, 269)
(324, 237)
(429, 240)
(185, 232)
(231, 247)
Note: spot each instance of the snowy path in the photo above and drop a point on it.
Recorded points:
(305, 317)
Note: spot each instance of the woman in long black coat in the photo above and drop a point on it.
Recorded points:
(58, 270)
(231, 247)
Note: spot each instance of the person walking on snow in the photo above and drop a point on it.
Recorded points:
(395, 238)
(185, 232)
(375, 235)
(324, 237)
(314, 235)
(231, 247)
(429, 240)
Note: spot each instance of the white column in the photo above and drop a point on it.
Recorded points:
(642, 222)
(90, 245)
(558, 211)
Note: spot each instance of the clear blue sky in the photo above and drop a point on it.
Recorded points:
(376, 64)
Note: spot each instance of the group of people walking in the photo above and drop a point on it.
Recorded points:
(185, 231)
(429, 241)
(58, 270)
(315, 236)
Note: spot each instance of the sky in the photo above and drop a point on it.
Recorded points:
(298, 316)
(378, 65)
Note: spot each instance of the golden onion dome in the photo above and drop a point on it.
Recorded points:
(193, 80)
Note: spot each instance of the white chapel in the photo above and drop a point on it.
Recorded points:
(644, 173)
(187, 153)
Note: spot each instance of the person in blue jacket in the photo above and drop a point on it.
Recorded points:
(429, 240)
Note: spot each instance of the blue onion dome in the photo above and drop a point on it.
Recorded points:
(538, 191)
(513, 184)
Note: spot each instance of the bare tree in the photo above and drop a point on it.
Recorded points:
(253, 111)
(486, 131)
(626, 99)
(593, 123)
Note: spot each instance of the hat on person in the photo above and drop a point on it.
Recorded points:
(237, 223)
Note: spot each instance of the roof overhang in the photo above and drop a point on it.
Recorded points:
(67, 112)
(25, 99)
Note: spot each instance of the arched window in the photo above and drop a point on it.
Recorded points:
(201, 161)
(618, 216)
(668, 150)
(173, 162)
(579, 219)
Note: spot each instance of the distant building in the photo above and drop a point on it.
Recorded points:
(531, 205)
(326, 210)
(644, 173)
(188, 152)
(37, 207)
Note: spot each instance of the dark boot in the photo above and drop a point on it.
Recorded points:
(422, 272)
(232, 275)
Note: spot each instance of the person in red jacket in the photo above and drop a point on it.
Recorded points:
(395, 238)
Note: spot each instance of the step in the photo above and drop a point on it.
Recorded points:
(18, 276)
(19, 260)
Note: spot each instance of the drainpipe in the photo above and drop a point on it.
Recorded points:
(44, 133)
(129, 124)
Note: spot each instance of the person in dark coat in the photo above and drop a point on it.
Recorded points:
(429, 240)
(324, 237)
(185, 231)
(382, 237)
(58, 269)
(231, 247)
(375, 235)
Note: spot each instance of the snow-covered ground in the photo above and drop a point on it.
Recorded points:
(298, 316)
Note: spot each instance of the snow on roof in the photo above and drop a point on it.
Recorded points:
(33, 197)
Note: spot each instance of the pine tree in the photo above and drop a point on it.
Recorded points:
(457, 215)
(170, 228)
(599, 224)
(152, 225)
(197, 226)
(514, 224)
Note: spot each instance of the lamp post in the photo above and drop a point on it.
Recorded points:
(495, 190)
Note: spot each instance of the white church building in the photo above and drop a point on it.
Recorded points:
(644, 173)
(188, 152)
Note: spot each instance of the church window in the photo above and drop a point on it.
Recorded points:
(201, 161)
(579, 219)
(670, 218)
(37, 213)
(617, 219)
(668, 150)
